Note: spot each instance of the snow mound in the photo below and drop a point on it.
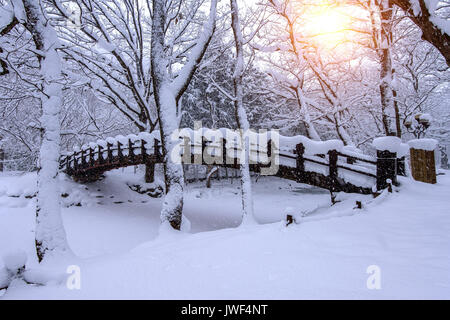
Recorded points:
(423, 144)
(15, 260)
(19, 190)
(4, 278)
(391, 144)
(311, 147)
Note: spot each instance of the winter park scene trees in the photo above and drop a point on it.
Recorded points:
(224, 149)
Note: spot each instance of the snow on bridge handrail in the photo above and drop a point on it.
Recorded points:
(300, 154)
(282, 143)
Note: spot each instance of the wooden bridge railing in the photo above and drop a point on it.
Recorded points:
(90, 162)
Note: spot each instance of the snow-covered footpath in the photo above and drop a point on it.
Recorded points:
(114, 233)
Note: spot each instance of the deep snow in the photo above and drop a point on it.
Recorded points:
(406, 234)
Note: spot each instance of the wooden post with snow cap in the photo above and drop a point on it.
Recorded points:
(386, 168)
(387, 148)
(423, 163)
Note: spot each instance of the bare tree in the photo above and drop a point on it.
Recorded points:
(241, 115)
(431, 21)
(287, 58)
(168, 89)
(50, 235)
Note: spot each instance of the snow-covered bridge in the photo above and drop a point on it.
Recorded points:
(323, 164)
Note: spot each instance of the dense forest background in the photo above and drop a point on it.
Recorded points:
(303, 74)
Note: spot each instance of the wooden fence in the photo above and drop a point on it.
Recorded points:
(90, 163)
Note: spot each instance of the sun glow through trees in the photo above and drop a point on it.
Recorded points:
(326, 26)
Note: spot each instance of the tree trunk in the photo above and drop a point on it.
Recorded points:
(386, 94)
(166, 106)
(172, 209)
(150, 173)
(241, 117)
(168, 92)
(342, 132)
(50, 234)
(311, 131)
(398, 122)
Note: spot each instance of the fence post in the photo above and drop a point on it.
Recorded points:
(2, 158)
(143, 150)
(68, 169)
(423, 165)
(333, 156)
(110, 154)
(224, 154)
(333, 173)
(386, 168)
(204, 146)
(75, 161)
(100, 154)
(130, 150)
(83, 159)
(300, 163)
(91, 157)
(269, 151)
(119, 150)
(158, 153)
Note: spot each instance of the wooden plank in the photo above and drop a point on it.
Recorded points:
(423, 166)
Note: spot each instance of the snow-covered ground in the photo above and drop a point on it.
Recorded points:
(121, 254)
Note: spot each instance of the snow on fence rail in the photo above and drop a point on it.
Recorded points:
(327, 164)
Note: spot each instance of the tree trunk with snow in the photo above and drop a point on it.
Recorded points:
(50, 234)
(384, 52)
(342, 132)
(149, 173)
(398, 123)
(241, 116)
(167, 94)
(311, 131)
(166, 105)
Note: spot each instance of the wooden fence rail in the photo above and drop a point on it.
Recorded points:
(90, 163)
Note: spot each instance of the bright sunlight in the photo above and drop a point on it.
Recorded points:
(327, 25)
